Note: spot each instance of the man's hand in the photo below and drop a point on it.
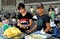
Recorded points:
(22, 26)
(28, 31)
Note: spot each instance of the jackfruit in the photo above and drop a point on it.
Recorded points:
(11, 32)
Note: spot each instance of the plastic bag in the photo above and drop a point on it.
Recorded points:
(6, 26)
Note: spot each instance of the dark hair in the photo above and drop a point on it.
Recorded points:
(31, 7)
(7, 16)
(40, 5)
(21, 5)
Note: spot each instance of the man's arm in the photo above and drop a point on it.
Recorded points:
(34, 28)
(30, 23)
(47, 21)
(47, 27)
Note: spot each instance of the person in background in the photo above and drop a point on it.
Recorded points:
(56, 14)
(56, 10)
(14, 19)
(52, 15)
(31, 9)
(6, 21)
(24, 19)
(50, 7)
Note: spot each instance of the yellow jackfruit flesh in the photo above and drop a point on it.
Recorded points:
(12, 31)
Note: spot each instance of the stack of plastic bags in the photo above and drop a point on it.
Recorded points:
(11, 32)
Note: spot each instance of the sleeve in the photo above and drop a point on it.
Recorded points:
(35, 18)
(30, 16)
(47, 19)
(18, 16)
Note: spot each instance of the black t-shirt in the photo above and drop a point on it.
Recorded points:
(42, 20)
(24, 20)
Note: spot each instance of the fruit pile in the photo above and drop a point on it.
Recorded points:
(11, 32)
(1, 24)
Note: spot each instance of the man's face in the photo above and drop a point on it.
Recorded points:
(40, 10)
(22, 10)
